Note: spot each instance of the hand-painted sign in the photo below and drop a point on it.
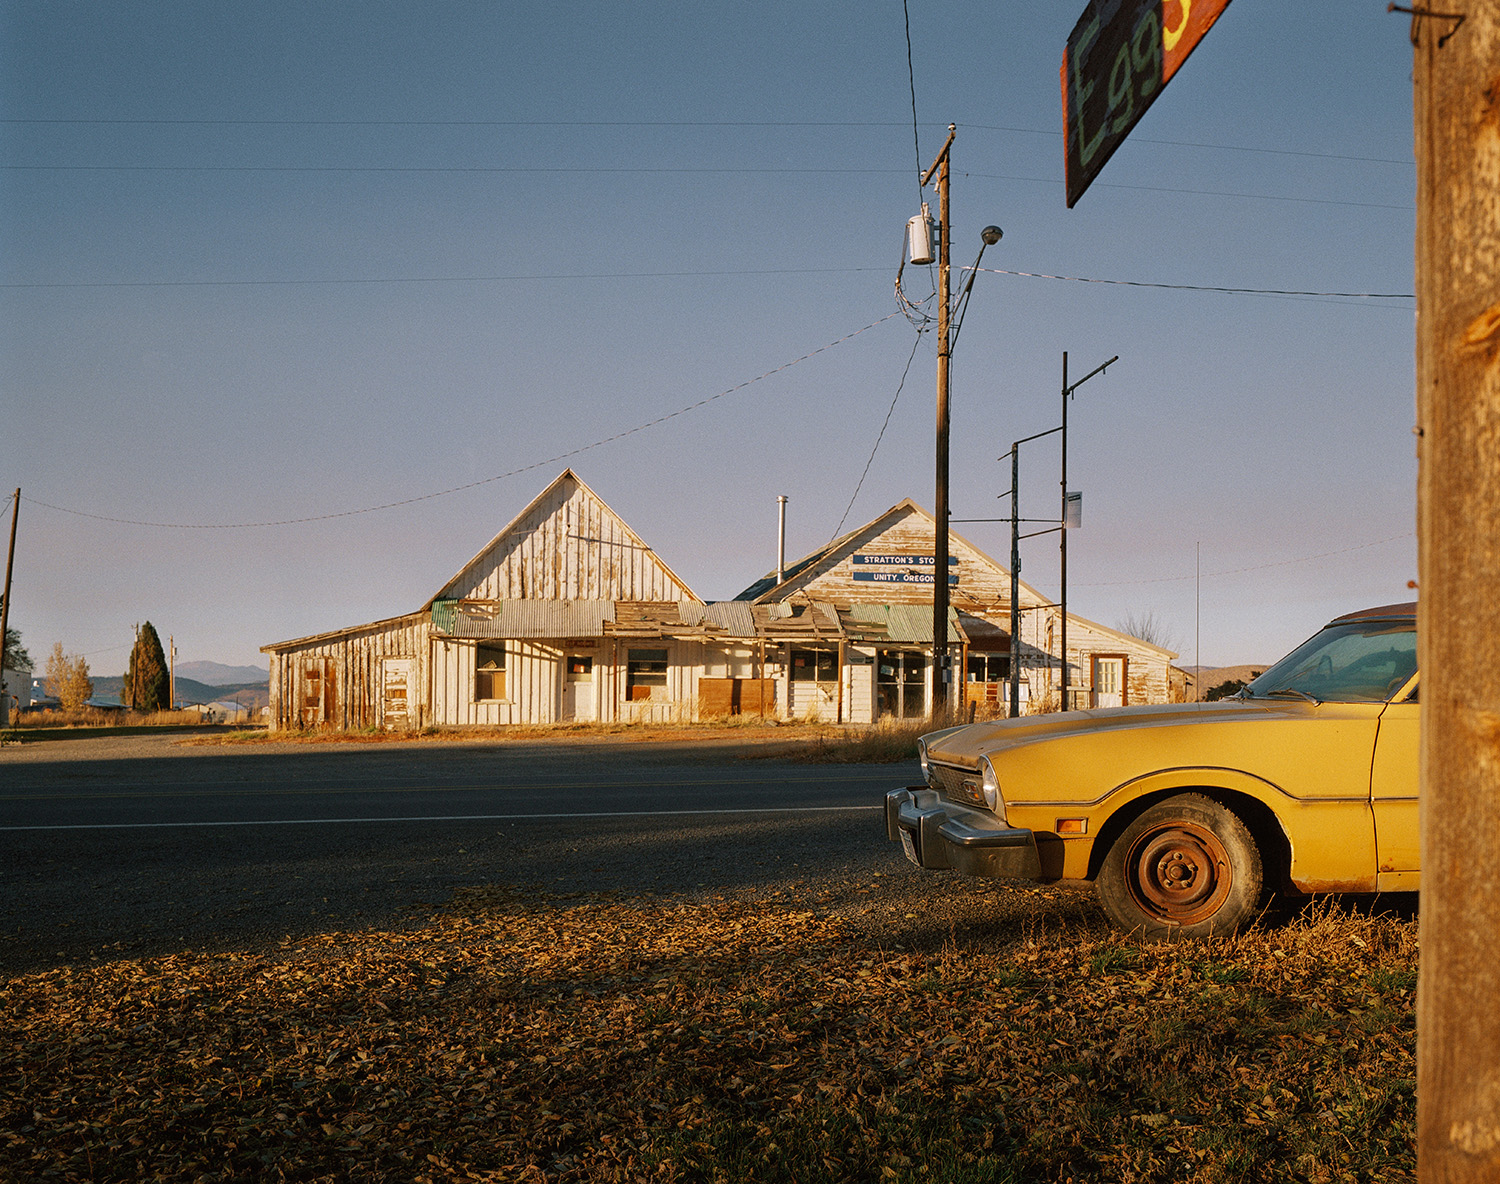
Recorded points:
(899, 569)
(1119, 56)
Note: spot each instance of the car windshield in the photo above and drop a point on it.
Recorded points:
(1350, 662)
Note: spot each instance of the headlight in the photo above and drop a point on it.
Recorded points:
(989, 785)
(922, 760)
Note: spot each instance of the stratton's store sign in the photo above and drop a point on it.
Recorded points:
(899, 569)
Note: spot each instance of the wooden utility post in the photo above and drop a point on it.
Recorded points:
(1457, 91)
(10, 560)
(940, 541)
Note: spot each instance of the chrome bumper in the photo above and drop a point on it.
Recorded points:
(937, 833)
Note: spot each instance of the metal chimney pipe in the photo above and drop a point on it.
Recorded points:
(780, 537)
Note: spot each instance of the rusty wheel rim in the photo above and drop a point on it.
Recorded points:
(1179, 872)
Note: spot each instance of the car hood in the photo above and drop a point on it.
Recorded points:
(965, 745)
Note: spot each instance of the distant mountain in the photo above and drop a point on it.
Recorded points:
(253, 695)
(216, 674)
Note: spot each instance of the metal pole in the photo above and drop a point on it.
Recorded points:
(940, 547)
(10, 559)
(1015, 580)
(1063, 537)
(781, 537)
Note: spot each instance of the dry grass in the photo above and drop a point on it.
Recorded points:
(96, 718)
(888, 741)
(599, 1039)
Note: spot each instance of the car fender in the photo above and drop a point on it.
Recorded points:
(1334, 834)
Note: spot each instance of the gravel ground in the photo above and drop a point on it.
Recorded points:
(79, 897)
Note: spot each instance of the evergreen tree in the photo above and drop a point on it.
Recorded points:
(16, 657)
(147, 686)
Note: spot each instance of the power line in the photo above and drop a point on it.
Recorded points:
(1318, 201)
(1135, 139)
(626, 275)
(889, 412)
(1037, 275)
(407, 168)
(660, 419)
(1234, 571)
(911, 78)
(643, 170)
(444, 279)
(1050, 133)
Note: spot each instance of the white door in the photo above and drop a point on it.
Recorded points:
(395, 696)
(1109, 682)
(578, 687)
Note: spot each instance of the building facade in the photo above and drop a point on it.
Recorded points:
(567, 615)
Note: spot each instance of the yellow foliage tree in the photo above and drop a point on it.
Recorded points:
(68, 679)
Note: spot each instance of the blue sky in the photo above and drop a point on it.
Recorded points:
(274, 262)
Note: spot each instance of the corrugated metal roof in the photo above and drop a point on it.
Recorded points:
(734, 617)
(525, 618)
(901, 624)
(442, 615)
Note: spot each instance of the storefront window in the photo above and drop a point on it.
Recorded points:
(815, 666)
(645, 669)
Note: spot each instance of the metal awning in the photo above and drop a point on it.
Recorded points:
(492, 619)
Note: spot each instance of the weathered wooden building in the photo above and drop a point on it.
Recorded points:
(567, 614)
(875, 583)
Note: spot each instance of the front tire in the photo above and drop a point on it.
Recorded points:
(1187, 867)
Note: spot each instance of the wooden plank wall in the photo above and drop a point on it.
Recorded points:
(570, 547)
(355, 657)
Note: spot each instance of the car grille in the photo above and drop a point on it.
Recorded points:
(961, 785)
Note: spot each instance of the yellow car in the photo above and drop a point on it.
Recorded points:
(1182, 814)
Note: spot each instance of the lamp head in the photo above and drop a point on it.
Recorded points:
(991, 235)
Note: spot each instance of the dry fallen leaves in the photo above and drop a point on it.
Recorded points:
(518, 1038)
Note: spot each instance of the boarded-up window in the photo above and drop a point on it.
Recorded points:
(318, 699)
(815, 666)
(645, 669)
(489, 672)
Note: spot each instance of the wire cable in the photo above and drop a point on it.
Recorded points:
(1078, 279)
(660, 419)
(889, 412)
(1235, 571)
(1051, 133)
(444, 279)
(911, 79)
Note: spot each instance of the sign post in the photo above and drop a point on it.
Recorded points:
(1119, 57)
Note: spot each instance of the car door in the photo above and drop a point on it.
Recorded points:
(1393, 794)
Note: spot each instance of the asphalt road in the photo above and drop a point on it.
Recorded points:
(132, 847)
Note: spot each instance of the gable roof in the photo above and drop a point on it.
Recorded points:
(805, 571)
(567, 544)
(801, 579)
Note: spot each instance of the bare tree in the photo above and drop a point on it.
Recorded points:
(68, 678)
(1149, 628)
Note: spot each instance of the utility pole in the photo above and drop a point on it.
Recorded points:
(1067, 395)
(940, 655)
(10, 559)
(1458, 616)
(1015, 579)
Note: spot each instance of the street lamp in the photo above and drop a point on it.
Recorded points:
(1067, 393)
(1059, 524)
